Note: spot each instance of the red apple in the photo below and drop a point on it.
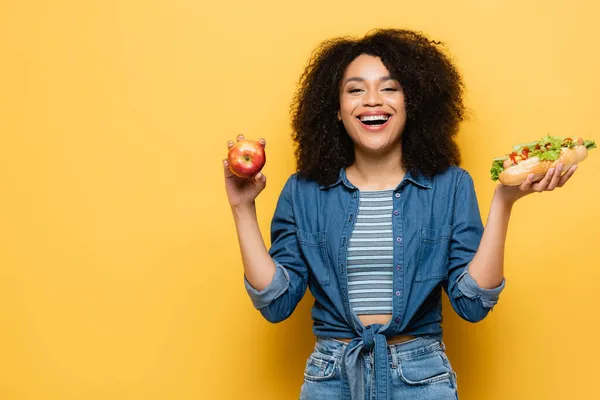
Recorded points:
(246, 158)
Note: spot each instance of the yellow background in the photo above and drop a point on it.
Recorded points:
(120, 275)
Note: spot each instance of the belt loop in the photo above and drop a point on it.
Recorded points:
(394, 353)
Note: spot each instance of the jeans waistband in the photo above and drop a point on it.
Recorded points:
(405, 350)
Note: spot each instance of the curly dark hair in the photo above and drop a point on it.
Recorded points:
(433, 91)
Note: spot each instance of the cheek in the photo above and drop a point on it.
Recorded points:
(348, 105)
(398, 103)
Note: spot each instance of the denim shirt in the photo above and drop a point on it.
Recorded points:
(437, 229)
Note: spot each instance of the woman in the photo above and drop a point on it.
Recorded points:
(377, 220)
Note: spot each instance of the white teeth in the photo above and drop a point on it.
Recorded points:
(374, 117)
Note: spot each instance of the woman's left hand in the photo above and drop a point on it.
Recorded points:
(553, 179)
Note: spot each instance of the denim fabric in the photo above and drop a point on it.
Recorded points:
(418, 369)
(437, 228)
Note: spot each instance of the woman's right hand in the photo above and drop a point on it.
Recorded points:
(243, 191)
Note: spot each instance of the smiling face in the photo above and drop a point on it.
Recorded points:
(372, 106)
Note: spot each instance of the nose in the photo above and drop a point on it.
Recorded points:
(373, 98)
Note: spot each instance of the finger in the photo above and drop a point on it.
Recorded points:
(567, 176)
(259, 177)
(555, 177)
(226, 169)
(543, 184)
(263, 142)
(229, 144)
(240, 137)
(525, 186)
(260, 181)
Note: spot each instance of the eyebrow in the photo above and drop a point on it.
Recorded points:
(361, 79)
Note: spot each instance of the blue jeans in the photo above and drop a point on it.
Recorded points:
(419, 369)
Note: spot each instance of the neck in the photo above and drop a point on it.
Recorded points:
(376, 172)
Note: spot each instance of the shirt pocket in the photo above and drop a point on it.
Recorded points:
(313, 246)
(432, 261)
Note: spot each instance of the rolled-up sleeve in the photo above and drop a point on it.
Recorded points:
(276, 288)
(469, 288)
(469, 300)
(278, 300)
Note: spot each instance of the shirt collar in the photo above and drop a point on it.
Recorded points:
(419, 180)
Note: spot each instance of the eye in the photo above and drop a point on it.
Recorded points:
(390, 90)
(354, 90)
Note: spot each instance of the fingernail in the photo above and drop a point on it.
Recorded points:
(258, 176)
(575, 167)
(225, 162)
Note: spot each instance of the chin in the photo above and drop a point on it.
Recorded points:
(381, 142)
(375, 149)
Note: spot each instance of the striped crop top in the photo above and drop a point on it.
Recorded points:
(371, 254)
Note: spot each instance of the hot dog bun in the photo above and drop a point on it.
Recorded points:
(516, 175)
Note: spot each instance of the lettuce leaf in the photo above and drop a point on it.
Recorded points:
(497, 168)
(550, 155)
(519, 147)
(590, 144)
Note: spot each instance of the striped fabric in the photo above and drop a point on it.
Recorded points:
(371, 254)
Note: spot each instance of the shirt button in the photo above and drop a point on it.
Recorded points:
(397, 195)
(398, 293)
(398, 239)
(398, 267)
(396, 212)
(397, 320)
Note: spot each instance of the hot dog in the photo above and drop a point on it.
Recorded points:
(538, 157)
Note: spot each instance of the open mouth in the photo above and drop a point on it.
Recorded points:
(374, 121)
